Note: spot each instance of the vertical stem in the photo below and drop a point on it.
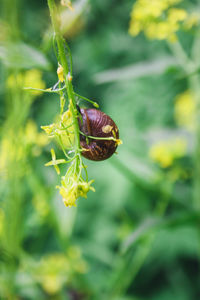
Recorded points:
(13, 198)
(130, 265)
(194, 82)
(189, 65)
(10, 9)
(68, 79)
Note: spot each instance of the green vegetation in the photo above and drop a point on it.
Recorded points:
(137, 237)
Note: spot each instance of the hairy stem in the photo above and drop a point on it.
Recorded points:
(55, 19)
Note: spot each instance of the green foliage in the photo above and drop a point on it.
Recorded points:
(137, 236)
(22, 56)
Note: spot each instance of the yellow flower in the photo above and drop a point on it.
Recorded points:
(40, 204)
(73, 187)
(1, 221)
(55, 270)
(165, 152)
(17, 145)
(49, 129)
(52, 272)
(60, 72)
(12, 150)
(175, 15)
(161, 30)
(69, 195)
(84, 187)
(158, 19)
(31, 78)
(192, 20)
(185, 110)
(62, 128)
(118, 142)
(30, 132)
(33, 138)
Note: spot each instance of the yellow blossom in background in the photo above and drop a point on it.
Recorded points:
(158, 19)
(7, 152)
(54, 271)
(165, 152)
(40, 204)
(31, 78)
(192, 20)
(32, 136)
(2, 216)
(15, 146)
(184, 110)
(175, 15)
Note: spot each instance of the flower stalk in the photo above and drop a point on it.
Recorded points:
(66, 131)
(67, 76)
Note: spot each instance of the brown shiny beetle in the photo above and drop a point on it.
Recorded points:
(95, 123)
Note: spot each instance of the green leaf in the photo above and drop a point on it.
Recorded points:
(22, 56)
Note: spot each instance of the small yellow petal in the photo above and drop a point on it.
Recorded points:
(60, 72)
(53, 154)
(119, 142)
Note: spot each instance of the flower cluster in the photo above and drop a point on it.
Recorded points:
(29, 78)
(66, 130)
(16, 147)
(62, 129)
(2, 216)
(184, 110)
(73, 187)
(56, 270)
(159, 19)
(165, 152)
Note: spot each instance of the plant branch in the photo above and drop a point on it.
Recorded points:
(67, 76)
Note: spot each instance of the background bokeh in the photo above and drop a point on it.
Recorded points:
(138, 236)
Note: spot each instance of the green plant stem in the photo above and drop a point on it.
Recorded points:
(13, 193)
(57, 91)
(184, 61)
(129, 265)
(67, 76)
(190, 65)
(98, 138)
(194, 82)
(88, 100)
(10, 10)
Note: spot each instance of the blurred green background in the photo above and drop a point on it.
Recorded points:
(138, 236)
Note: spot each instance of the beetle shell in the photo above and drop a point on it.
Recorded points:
(96, 123)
